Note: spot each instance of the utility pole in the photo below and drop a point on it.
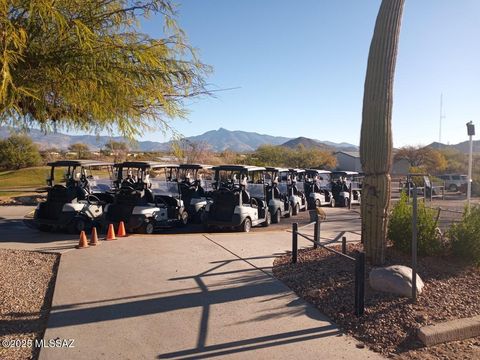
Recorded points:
(442, 116)
(471, 132)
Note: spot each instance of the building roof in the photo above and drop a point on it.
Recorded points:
(354, 154)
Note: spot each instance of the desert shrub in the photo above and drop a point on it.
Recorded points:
(400, 228)
(17, 152)
(465, 236)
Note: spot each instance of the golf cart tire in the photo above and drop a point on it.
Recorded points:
(453, 188)
(78, 224)
(276, 217)
(296, 209)
(289, 214)
(346, 202)
(183, 219)
(246, 226)
(147, 228)
(332, 202)
(317, 203)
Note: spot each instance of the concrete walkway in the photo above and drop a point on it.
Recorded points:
(190, 296)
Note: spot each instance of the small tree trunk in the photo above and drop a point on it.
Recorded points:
(376, 133)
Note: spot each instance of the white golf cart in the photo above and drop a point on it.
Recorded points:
(277, 193)
(296, 188)
(346, 187)
(75, 202)
(238, 200)
(318, 188)
(145, 201)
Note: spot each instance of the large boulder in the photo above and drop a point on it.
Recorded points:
(395, 279)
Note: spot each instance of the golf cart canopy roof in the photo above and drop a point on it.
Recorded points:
(278, 169)
(84, 163)
(247, 168)
(297, 170)
(143, 164)
(345, 173)
(194, 166)
(318, 171)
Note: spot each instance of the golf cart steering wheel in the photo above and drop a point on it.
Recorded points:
(94, 198)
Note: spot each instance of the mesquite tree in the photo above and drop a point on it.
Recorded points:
(376, 133)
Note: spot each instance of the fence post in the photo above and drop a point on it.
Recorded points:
(294, 242)
(360, 284)
(344, 245)
(414, 248)
(316, 232)
(443, 191)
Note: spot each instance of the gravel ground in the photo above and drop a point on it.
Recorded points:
(389, 325)
(27, 280)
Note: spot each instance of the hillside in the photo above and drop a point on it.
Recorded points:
(323, 145)
(463, 147)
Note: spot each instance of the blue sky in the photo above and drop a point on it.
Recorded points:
(300, 67)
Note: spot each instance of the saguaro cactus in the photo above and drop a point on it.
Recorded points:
(376, 133)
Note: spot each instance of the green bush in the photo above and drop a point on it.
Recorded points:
(465, 236)
(400, 228)
(17, 152)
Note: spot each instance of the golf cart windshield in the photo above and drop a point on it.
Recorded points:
(169, 188)
(256, 190)
(283, 188)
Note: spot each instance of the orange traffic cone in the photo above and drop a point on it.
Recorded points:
(83, 243)
(94, 237)
(111, 233)
(121, 230)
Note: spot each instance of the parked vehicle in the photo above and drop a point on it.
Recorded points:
(455, 182)
(195, 182)
(239, 198)
(277, 193)
(145, 201)
(296, 190)
(342, 181)
(318, 188)
(75, 202)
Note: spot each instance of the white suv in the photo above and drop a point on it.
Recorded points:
(454, 182)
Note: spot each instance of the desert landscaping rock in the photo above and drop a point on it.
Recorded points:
(27, 279)
(395, 279)
(459, 329)
(390, 324)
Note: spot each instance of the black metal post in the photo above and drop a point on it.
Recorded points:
(344, 245)
(294, 243)
(316, 232)
(360, 284)
(414, 247)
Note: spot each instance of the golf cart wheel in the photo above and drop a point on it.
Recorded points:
(296, 209)
(318, 203)
(332, 202)
(78, 225)
(147, 228)
(346, 202)
(453, 187)
(246, 225)
(289, 212)
(183, 219)
(268, 219)
(276, 217)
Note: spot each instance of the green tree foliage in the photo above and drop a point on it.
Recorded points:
(465, 236)
(457, 162)
(84, 64)
(118, 149)
(400, 228)
(18, 151)
(82, 150)
(300, 157)
(430, 160)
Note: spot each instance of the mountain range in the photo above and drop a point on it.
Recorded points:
(463, 147)
(218, 140)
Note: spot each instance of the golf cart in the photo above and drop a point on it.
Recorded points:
(145, 200)
(277, 193)
(346, 187)
(195, 184)
(318, 188)
(296, 189)
(76, 202)
(238, 200)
